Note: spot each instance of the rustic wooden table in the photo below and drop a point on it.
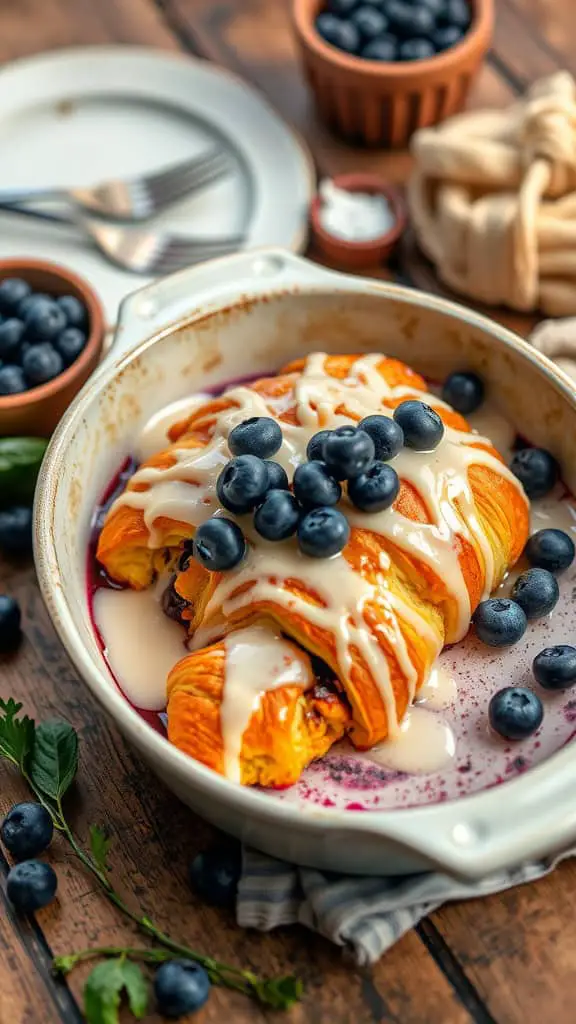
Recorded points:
(506, 958)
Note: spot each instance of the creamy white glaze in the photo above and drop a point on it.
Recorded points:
(424, 744)
(154, 435)
(141, 644)
(439, 691)
(186, 492)
(258, 659)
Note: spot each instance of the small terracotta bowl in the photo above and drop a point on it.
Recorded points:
(36, 412)
(374, 103)
(340, 252)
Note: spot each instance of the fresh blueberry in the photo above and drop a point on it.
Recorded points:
(550, 549)
(278, 516)
(555, 667)
(385, 49)
(434, 6)
(214, 875)
(416, 49)
(386, 434)
(339, 33)
(456, 12)
(242, 484)
(370, 22)
(41, 363)
(315, 447)
(16, 529)
(27, 304)
(537, 592)
(13, 290)
(537, 471)
(515, 713)
(314, 485)
(260, 435)
(342, 8)
(348, 452)
(11, 334)
(499, 622)
(27, 830)
(44, 321)
(323, 532)
(180, 987)
(277, 476)
(446, 36)
(422, 427)
(70, 344)
(74, 311)
(219, 544)
(410, 20)
(10, 618)
(376, 489)
(31, 885)
(12, 380)
(464, 391)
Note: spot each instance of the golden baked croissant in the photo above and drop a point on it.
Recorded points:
(379, 614)
(295, 721)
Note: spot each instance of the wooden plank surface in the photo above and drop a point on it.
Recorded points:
(508, 958)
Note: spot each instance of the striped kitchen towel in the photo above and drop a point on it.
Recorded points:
(366, 915)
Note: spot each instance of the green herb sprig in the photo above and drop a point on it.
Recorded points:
(46, 756)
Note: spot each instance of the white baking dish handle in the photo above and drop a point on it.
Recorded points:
(198, 290)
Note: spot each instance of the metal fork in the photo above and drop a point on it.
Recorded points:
(137, 198)
(140, 250)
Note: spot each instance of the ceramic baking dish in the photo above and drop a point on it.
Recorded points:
(251, 313)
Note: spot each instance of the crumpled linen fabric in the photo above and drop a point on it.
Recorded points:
(493, 200)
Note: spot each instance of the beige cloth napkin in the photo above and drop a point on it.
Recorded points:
(493, 200)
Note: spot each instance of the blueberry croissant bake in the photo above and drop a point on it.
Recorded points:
(325, 532)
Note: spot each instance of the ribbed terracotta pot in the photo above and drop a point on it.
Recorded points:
(36, 412)
(374, 103)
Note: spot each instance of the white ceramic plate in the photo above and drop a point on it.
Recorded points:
(78, 116)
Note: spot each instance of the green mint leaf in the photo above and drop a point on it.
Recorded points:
(99, 846)
(16, 734)
(105, 986)
(280, 993)
(54, 759)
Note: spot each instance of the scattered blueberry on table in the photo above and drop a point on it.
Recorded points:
(555, 667)
(27, 830)
(16, 529)
(537, 592)
(10, 619)
(180, 987)
(40, 335)
(31, 885)
(394, 30)
(215, 873)
(515, 713)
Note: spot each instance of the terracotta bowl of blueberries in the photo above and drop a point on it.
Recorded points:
(380, 69)
(51, 336)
